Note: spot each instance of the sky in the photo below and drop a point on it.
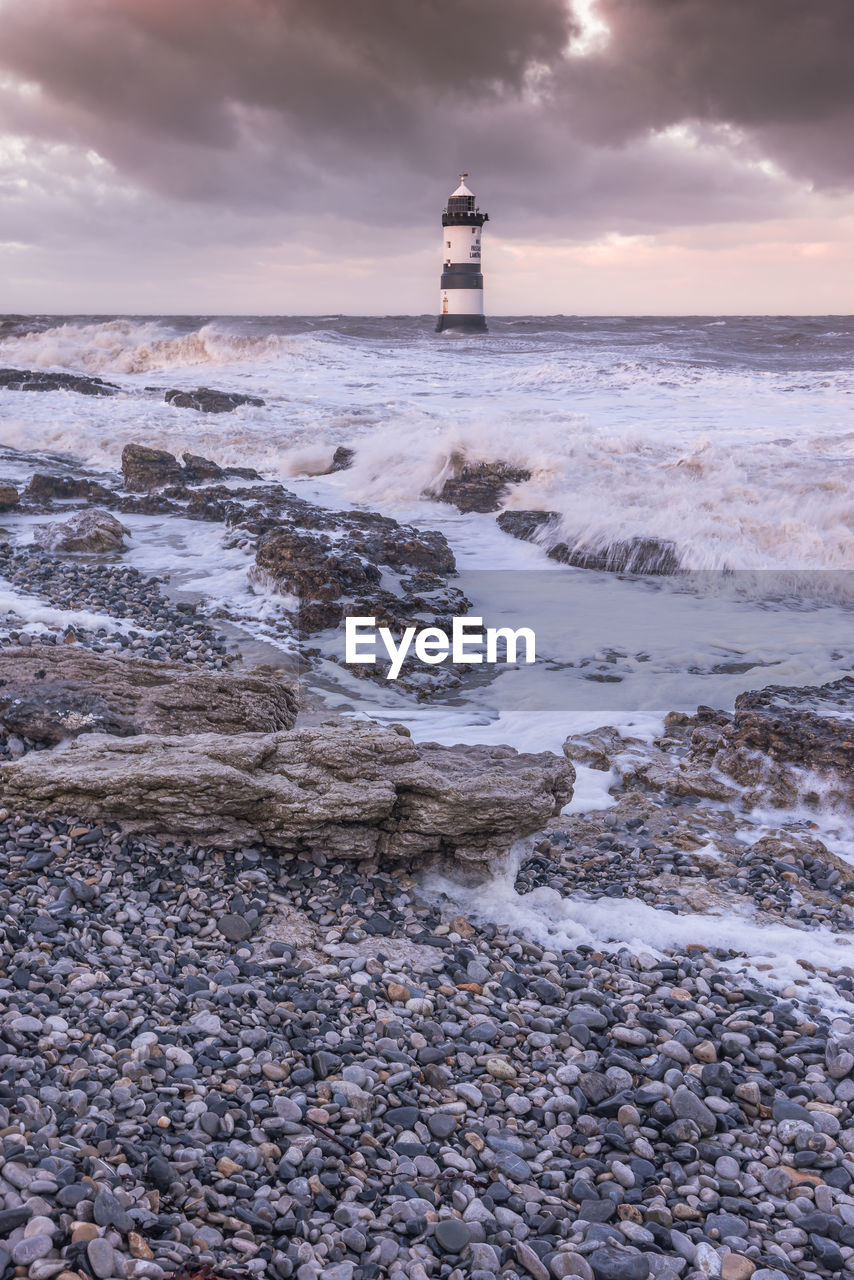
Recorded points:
(293, 156)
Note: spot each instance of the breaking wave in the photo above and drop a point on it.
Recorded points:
(126, 346)
(723, 439)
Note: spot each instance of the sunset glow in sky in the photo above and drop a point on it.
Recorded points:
(293, 156)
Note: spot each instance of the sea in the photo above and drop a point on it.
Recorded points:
(730, 438)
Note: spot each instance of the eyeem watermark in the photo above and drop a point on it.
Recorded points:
(469, 642)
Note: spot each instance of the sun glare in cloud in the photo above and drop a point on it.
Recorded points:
(594, 33)
(23, 88)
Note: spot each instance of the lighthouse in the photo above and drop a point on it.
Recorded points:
(461, 301)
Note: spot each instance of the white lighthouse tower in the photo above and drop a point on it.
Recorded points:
(461, 302)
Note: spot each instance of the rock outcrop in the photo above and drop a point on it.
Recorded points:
(334, 562)
(38, 380)
(627, 555)
(782, 746)
(44, 488)
(206, 400)
(52, 693)
(631, 555)
(342, 460)
(812, 726)
(87, 531)
(144, 468)
(9, 497)
(526, 525)
(357, 792)
(479, 486)
(198, 469)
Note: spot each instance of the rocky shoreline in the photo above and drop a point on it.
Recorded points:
(243, 1025)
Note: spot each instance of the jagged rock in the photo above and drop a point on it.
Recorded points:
(197, 469)
(342, 459)
(479, 486)
(54, 692)
(341, 570)
(44, 488)
(362, 791)
(314, 568)
(785, 724)
(8, 497)
(91, 531)
(630, 555)
(205, 400)
(38, 380)
(145, 468)
(781, 746)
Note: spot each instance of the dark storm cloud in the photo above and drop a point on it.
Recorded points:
(364, 68)
(781, 69)
(365, 105)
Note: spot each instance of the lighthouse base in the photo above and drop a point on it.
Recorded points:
(471, 323)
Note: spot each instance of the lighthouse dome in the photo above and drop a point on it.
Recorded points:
(461, 200)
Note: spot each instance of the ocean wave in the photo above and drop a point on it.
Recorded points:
(740, 468)
(126, 346)
(760, 506)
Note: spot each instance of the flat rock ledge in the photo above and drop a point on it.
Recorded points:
(626, 555)
(363, 792)
(40, 380)
(49, 694)
(207, 400)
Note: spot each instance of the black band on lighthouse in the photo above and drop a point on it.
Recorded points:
(464, 219)
(459, 280)
(475, 324)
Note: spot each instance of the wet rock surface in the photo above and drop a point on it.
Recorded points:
(45, 488)
(92, 531)
(206, 400)
(50, 693)
(629, 555)
(525, 525)
(781, 746)
(632, 555)
(335, 565)
(479, 486)
(354, 792)
(342, 459)
(146, 468)
(353, 563)
(329, 563)
(813, 726)
(193, 1085)
(682, 837)
(39, 380)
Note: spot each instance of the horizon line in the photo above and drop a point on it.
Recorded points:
(427, 315)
